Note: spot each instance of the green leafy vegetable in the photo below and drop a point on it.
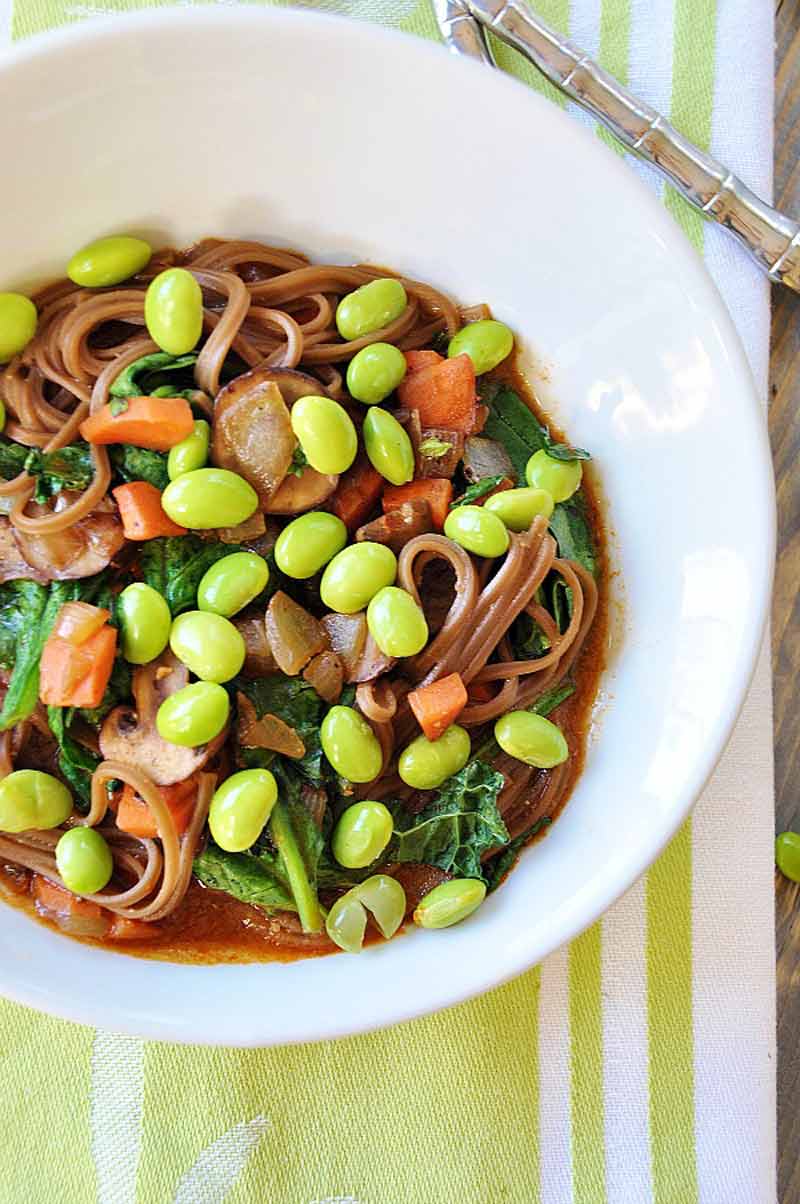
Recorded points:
(71, 467)
(473, 492)
(256, 877)
(174, 566)
(434, 448)
(569, 524)
(40, 610)
(118, 406)
(299, 844)
(76, 763)
(299, 462)
(527, 638)
(140, 464)
(141, 377)
(12, 459)
(496, 868)
(543, 706)
(514, 425)
(454, 830)
(21, 607)
(297, 703)
(564, 451)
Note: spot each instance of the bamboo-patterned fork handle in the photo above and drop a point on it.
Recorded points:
(772, 238)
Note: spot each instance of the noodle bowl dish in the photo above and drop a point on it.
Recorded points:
(341, 606)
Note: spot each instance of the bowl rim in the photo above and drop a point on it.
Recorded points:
(109, 28)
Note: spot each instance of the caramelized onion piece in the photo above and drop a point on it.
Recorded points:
(258, 658)
(371, 663)
(294, 635)
(325, 673)
(269, 731)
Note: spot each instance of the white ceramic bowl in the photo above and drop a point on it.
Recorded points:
(356, 143)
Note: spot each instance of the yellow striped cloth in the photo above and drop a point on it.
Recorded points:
(635, 1067)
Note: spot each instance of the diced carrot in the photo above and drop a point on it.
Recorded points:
(61, 902)
(76, 675)
(437, 492)
(444, 394)
(123, 929)
(77, 621)
(422, 359)
(135, 817)
(438, 705)
(141, 511)
(157, 423)
(357, 493)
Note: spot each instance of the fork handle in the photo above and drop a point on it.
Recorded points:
(772, 238)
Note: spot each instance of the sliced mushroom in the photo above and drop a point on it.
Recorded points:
(486, 458)
(371, 663)
(294, 635)
(80, 550)
(297, 494)
(253, 435)
(252, 528)
(258, 658)
(293, 384)
(129, 734)
(13, 564)
(347, 635)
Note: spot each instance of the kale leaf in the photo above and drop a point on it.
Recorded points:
(71, 467)
(457, 827)
(140, 464)
(478, 490)
(569, 524)
(21, 607)
(39, 614)
(76, 763)
(144, 375)
(174, 565)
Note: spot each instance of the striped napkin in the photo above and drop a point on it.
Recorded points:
(637, 1065)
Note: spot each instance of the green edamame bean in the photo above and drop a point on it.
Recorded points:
(208, 644)
(230, 584)
(173, 311)
(424, 764)
(84, 861)
(354, 576)
(108, 261)
(191, 452)
(145, 621)
(449, 903)
(241, 807)
(350, 745)
(561, 478)
(531, 738)
(787, 855)
(396, 622)
(388, 446)
(361, 834)
(517, 508)
(327, 436)
(30, 798)
(18, 319)
(193, 715)
(487, 343)
(347, 919)
(374, 372)
(2, 415)
(477, 529)
(307, 543)
(209, 497)
(370, 308)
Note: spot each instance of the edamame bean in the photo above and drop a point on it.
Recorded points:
(787, 855)
(477, 529)
(517, 508)
(561, 478)
(374, 372)
(424, 764)
(209, 497)
(327, 436)
(193, 715)
(354, 576)
(208, 644)
(145, 621)
(241, 807)
(18, 319)
(307, 543)
(350, 745)
(173, 311)
(84, 861)
(2, 415)
(396, 622)
(234, 581)
(191, 452)
(388, 446)
(30, 798)
(108, 261)
(370, 308)
(449, 903)
(487, 343)
(531, 738)
(361, 834)
(347, 919)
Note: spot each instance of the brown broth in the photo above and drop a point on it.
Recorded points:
(211, 927)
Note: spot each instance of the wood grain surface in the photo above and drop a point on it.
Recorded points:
(784, 421)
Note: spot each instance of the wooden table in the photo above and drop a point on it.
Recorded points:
(784, 423)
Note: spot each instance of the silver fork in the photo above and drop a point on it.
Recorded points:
(771, 237)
